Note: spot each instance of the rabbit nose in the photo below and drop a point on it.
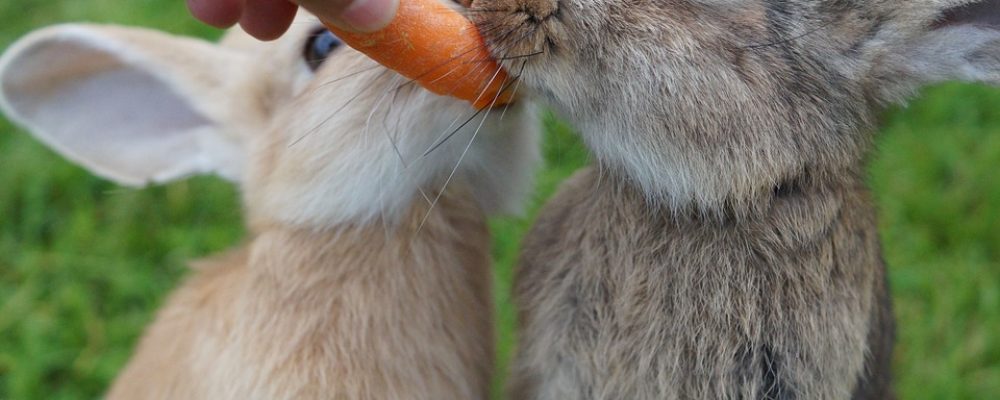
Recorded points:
(539, 10)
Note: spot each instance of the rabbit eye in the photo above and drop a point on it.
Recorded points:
(321, 44)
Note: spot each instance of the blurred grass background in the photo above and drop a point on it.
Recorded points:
(84, 264)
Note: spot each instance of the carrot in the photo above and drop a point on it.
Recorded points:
(438, 48)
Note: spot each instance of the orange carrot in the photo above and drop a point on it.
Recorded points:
(438, 48)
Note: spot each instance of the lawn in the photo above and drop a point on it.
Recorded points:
(84, 263)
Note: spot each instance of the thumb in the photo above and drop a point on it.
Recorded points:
(353, 15)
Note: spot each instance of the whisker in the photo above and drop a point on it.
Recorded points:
(508, 58)
(335, 112)
(788, 40)
(465, 152)
(425, 196)
(394, 135)
(444, 138)
(388, 136)
(518, 57)
(486, 10)
(453, 132)
(381, 203)
(356, 73)
(449, 128)
(513, 94)
(488, 63)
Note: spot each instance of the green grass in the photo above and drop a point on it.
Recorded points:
(84, 264)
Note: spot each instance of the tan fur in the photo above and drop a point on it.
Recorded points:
(380, 305)
(368, 307)
(299, 314)
(366, 274)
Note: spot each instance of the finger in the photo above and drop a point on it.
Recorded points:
(218, 13)
(268, 19)
(355, 15)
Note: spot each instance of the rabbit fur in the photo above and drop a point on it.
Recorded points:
(724, 245)
(366, 271)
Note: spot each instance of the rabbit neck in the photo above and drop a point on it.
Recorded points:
(737, 205)
(454, 226)
(683, 154)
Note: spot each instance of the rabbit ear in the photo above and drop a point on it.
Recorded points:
(131, 105)
(963, 44)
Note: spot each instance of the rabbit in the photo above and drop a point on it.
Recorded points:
(366, 273)
(724, 244)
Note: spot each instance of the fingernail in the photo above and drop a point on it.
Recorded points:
(370, 15)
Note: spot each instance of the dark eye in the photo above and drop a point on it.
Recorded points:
(320, 45)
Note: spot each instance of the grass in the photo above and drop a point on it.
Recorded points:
(84, 264)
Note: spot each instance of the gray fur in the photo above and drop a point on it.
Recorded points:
(725, 246)
(649, 304)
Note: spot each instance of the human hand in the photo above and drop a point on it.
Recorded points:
(269, 19)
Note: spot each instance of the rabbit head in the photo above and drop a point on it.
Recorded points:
(712, 103)
(314, 132)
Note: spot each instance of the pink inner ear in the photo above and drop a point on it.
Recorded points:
(984, 14)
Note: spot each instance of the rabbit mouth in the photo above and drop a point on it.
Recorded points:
(519, 33)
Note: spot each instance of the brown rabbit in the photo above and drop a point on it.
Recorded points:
(724, 246)
(363, 276)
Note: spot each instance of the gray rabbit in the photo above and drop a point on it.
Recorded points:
(724, 246)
